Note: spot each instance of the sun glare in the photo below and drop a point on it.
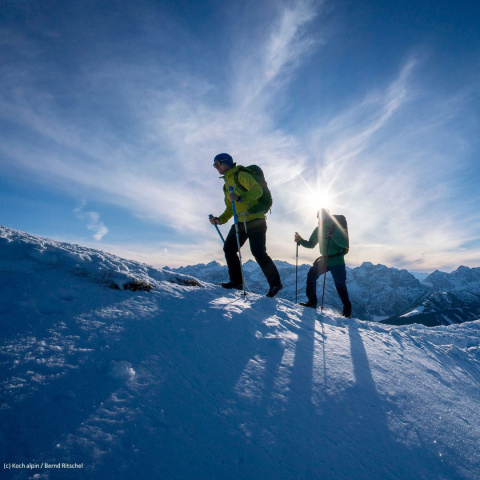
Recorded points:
(319, 200)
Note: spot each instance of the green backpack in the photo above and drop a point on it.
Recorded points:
(264, 203)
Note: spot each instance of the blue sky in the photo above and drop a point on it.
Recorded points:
(111, 114)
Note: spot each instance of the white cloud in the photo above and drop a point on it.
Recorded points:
(91, 219)
(265, 68)
(166, 176)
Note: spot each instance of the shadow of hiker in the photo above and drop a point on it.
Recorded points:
(344, 433)
(362, 445)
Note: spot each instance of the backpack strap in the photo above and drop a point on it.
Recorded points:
(235, 177)
(343, 252)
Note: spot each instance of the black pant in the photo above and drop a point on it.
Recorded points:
(339, 275)
(256, 232)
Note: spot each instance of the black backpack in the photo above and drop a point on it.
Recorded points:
(342, 222)
(264, 203)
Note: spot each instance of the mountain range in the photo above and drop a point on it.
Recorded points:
(377, 292)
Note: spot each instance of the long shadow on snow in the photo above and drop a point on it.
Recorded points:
(344, 435)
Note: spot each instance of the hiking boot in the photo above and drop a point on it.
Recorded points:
(347, 310)
(309, 304)
(232, 285)
(274, 290)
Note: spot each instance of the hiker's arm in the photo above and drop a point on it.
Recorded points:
(312, 241)
(227, 214)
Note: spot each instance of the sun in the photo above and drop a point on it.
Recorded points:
(319, 199)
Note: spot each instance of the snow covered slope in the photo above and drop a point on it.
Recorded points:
(176, 379)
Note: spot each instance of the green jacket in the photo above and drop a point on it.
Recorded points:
(336, 245)
(247, 199)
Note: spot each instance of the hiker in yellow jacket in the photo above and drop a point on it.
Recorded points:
(252, 223)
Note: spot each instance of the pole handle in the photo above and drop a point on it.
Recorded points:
(218, 230)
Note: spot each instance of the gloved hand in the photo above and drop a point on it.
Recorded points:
(298, 238)
(233, 197)
(214, 221)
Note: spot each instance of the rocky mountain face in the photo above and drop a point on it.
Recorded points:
(453, 298)
(377, 292)
(464, 281)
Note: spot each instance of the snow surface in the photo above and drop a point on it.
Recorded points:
(176, 381)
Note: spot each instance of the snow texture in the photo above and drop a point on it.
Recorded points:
(179, 379)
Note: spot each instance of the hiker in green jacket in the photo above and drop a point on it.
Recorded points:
(252, 226)
(333, 243)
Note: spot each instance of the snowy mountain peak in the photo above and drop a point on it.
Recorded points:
(213, 263)
(367, 265)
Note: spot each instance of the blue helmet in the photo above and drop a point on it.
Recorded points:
(224, 158)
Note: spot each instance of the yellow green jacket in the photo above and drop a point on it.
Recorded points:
(247, 199)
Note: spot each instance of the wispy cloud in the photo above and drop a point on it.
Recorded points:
(266, 66)
(91, 219)
(165, 174)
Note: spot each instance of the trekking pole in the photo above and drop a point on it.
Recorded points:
(218, 230)
(325, 275)
(296, 275)
(235, 219)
